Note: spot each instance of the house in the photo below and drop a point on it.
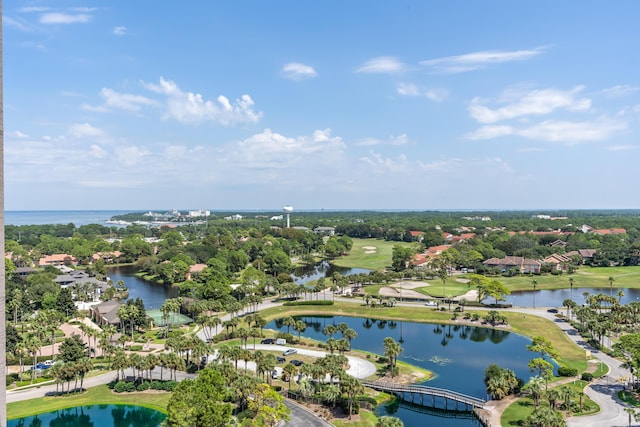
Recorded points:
(234, 217)
(417, 236)
(585, 254)
(23, 272)
(194, 270)
(523, 265)
(422, 261)
(611, 231)
(558, 262)
(107, 257)
(325, 231)
(105, 313)
(79, 279)
(57, 259)
(558, 244)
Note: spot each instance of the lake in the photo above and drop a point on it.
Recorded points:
(456, 354)
(152, 294)
(323, 269)
(555, 297)
(94, 416)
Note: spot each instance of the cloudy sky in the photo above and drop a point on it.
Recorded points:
(322, 105)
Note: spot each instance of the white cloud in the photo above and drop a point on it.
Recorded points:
(120, 101)
(85, 130)
(382, 65)
(120, 31)
(379, 165)
(567, 132)
(537, 102)
(191, 108)
(14, 23)
(622, 147)
(392, 140)
(620, 91)
(410, 89)
(17, 134)
(65, 18)
(174, 152)
(97, 152)
(29, 9)
(131, 155)
(476, 60)
(298, 71)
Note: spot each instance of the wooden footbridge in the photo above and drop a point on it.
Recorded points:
(419, 392)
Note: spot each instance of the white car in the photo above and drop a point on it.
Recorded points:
(289, 352)
(431, 304)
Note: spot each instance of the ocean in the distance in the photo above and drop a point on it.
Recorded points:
(78, 218)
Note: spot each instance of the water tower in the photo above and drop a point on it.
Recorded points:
(288, 209)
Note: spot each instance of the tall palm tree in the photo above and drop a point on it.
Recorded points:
(611, 280)
(534, 283)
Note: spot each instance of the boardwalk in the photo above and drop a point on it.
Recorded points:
(468, 402)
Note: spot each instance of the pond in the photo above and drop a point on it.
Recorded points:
(152, 294)
(456, 354)
(555, 297)
(94, 416)
(323, 269)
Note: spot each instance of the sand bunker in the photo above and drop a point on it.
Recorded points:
(369, 248)
(387, 291)
(463, 280)
(407, 284)
(370, 252)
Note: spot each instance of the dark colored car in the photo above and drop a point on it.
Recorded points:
(268, 341)
(281, 359)
(296, 362)
(553, 310)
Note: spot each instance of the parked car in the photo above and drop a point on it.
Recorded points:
(431, 304)
(276, 373)
(268, 341)
(296, 362)
(553, 310)
(280, 359)
(281, 341)
(289, 352)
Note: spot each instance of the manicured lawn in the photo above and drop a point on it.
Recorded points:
(367, 419)
(93, 396)
(374, 260)
(519, 410)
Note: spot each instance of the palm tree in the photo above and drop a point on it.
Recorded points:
(534, 283)
(32, 344)
(611, 280)
(571, 282)
(632, 414)
(535, 388)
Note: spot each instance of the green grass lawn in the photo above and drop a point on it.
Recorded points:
(93, 396)
(519, 410)
(359, 258)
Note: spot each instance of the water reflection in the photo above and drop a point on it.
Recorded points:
(323, 269)
(94, 416)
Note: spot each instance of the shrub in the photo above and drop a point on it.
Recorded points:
(130, 387)
(170, 385)
(565, 371)
(157, 385)
(11, 378)
(143, 387)
(319, 302)
(586, 376)
(120, 387)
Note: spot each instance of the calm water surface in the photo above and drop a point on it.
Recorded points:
(94, 416)
(457, 354)
(555, 297)
(323, 269)
(152, 294)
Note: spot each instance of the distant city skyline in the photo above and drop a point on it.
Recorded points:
(248, 106)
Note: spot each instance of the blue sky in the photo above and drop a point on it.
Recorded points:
(321, 105)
